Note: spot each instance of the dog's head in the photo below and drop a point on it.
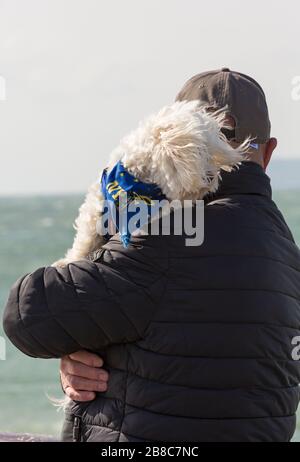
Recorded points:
(181, 149)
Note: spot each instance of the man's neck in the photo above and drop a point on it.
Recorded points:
(248, 178)
(257, 158)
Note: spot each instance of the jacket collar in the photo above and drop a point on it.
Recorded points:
(248, 178)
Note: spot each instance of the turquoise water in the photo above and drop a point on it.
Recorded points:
(34, 232)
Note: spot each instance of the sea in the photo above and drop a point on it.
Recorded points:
(35, 231)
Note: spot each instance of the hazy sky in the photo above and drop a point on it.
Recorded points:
(79, 74)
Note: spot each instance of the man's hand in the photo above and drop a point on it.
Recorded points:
(82, 376)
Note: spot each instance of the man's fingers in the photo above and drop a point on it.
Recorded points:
(82, 376)
(79, 383)
(69, 366)
(87, 358)
(79, 395)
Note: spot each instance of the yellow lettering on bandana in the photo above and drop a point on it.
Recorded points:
(115, 188)
(147, 200)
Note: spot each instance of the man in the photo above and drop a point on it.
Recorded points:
(181, 343)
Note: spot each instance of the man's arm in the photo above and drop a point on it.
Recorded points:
(54, 312)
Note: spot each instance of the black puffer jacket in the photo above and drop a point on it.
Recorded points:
(197, 340)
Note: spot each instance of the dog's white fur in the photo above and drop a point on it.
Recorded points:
(181, 149)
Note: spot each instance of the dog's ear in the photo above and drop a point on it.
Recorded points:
(188, 150)
(181, 149)
(180, 159)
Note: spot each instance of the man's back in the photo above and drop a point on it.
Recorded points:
(214, 362)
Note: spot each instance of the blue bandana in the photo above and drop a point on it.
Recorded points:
(119, 182)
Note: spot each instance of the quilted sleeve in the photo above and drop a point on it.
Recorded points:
(86, 305)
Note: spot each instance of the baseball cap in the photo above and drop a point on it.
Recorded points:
(242, 96)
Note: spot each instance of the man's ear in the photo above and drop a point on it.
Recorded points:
(269, 149)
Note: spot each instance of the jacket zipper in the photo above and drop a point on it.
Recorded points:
(76, 429)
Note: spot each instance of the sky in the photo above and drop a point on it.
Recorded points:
(77, 75)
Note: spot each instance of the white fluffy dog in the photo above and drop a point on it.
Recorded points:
(181, 149)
